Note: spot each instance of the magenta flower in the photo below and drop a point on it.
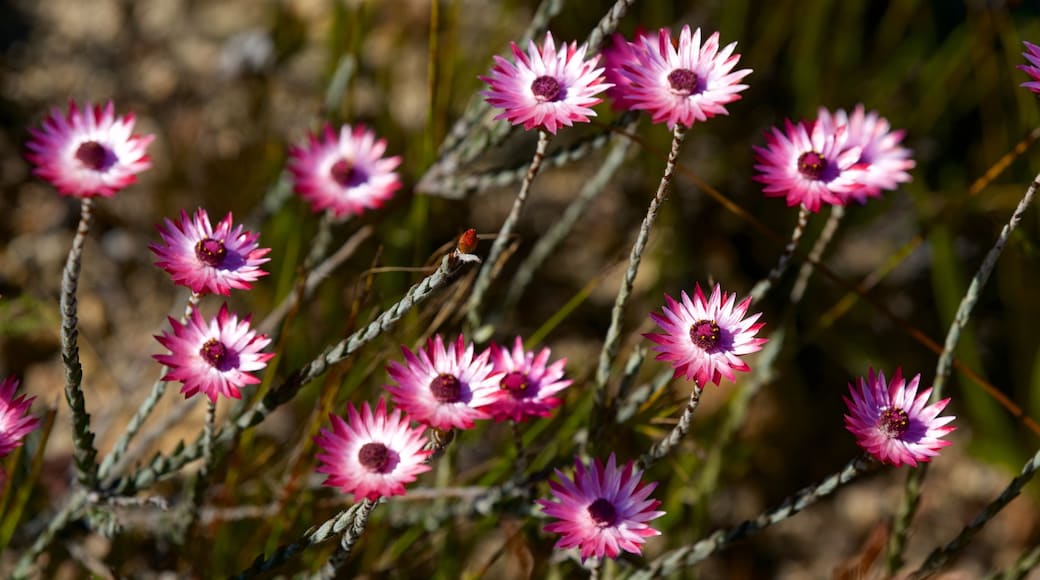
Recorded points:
(545, 88)
(615, 55)
(88, 152)
(704, 337)
(444, 388)
(372, 455)
(603, 510)
(809, 165)
(684, 84)
(882, 162)
(15, 420)
(215, 357)
(894, 423)
(528, 386)
(207, 260)
(344, 173)
(1032, 54)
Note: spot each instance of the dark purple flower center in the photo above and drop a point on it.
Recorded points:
(546, 88)
(706, 334)
(446, 388)
(93, 155)
(374, 457)
(210, 252)
(516, 383)
(214, 352)
(346, 174)
(811, 164)
(893, 422)
(603, 513)
(684, 81)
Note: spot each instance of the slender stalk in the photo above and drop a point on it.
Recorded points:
(198, 489)
(161, 466)
(901, 525)
(84, 451)
(940, 556)
(764, 285)
(670, 562)
(665, 446)
(346, 542)
(613, 338)
(480, 287)
(547, 243)
(806, 271)
(146, 408)
(44, 539)
(521, 452)
(1025, 563)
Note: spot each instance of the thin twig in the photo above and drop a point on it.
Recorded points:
(346, 542)
(44, 539)
(198, 489)
(763, 286)
(664, 446)
(806, 271)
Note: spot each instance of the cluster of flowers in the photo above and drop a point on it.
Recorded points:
(604, 509)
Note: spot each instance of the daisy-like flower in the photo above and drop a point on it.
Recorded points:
(704, 337)
(444, 387)
(214, 357)
(88, 152)
(344, 173)
(1032, 54)
(616, 55)
(372, 454)
(892, 422)
(546, 88)
(528, 387)
(684, 84)
(207, 260)
(15, 420)
(603, 510)
(809, 164)
(884, 163)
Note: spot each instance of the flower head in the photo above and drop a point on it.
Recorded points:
(545, 88)
(882, 163)
(215, 357)
(372, 454)
(209, 261)
(603, 510)
(528, 385)
(894, 423)
(444, 387)
(1032, 54)
(704, 337)
(615, 55)
(809, 164)
(15, 420)
(88, 152)
(345, 173)
(681, 84)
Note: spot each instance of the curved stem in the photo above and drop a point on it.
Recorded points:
(82, 438)
(664, 446)
(765, 284)
(346, 542)
(613, 338)
(480, 287)
(806, 271)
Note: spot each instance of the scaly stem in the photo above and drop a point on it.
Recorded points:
(664, 446)
(480, 287)
(764, 285)
(198, 490)
(346, 542)
(806, 271)
(82, 438)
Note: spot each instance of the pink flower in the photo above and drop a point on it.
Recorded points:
(214, 357)
(809, 164)
(1032, 54)
(883, 163)
(207, 260)
(892, 422)
(15, 420)
(704, 337)
(545, 88)
(444, 388)
(615, 55)
(603, 510)
(344, 173)
(681, 85)
(88, 152)
(528, 386)
(372, 455)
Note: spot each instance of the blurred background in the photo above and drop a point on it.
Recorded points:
(227, 86)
